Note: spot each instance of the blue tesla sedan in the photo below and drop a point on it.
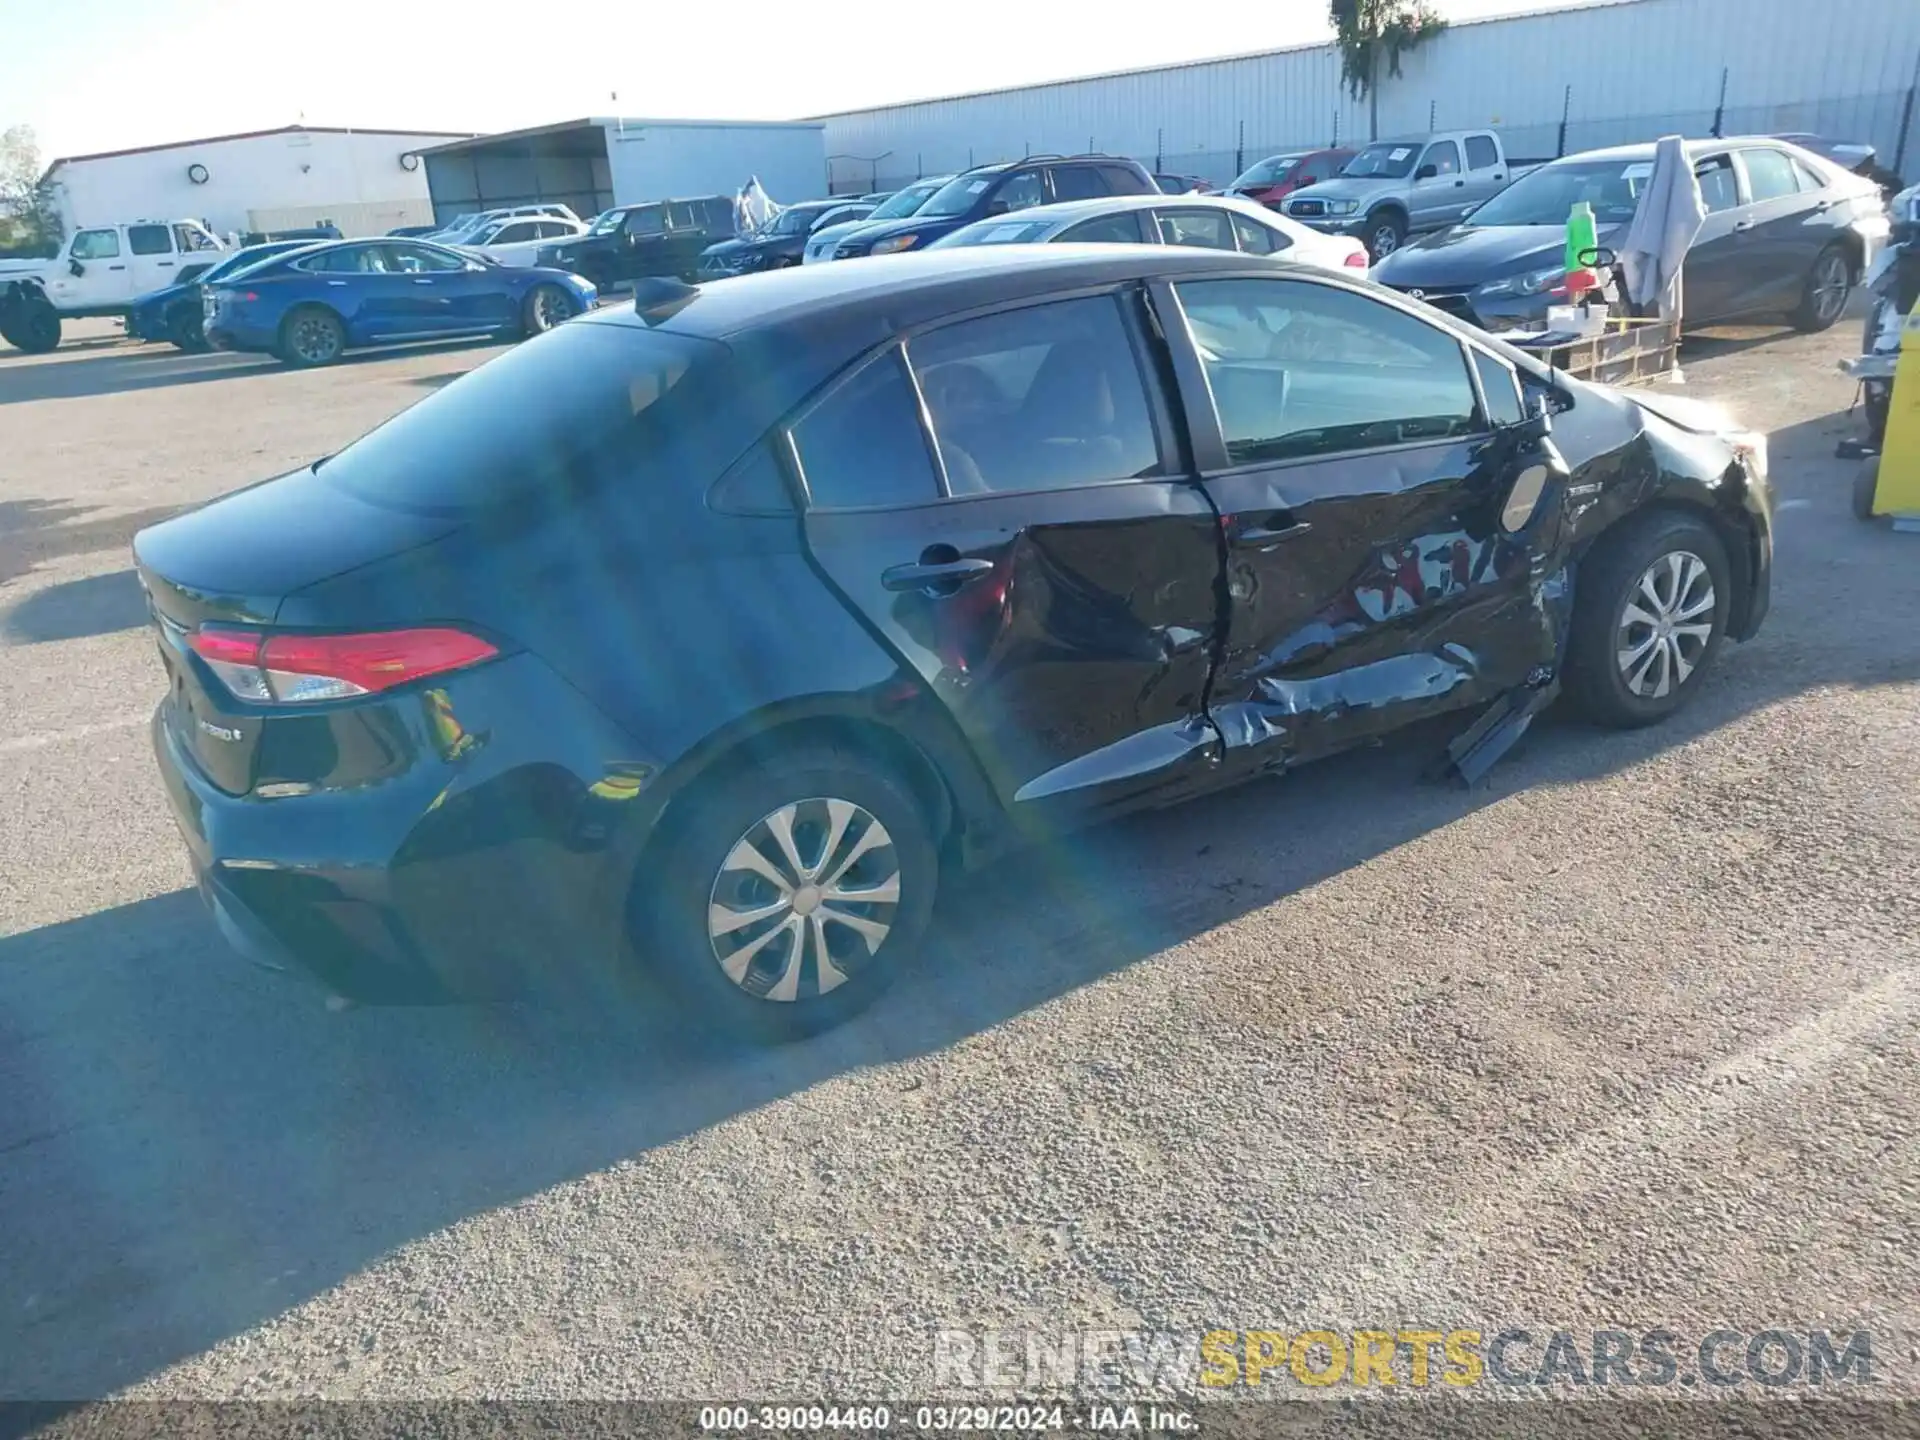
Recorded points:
(310, 307)
(174, 314)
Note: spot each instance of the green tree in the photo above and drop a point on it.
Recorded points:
(1372, 36)
(29, 218)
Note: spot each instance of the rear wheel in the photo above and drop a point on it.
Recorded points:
(787, 900)
(545, 307)
(1824, 298)
(1649, 615)
(33, 327)
(310, 336)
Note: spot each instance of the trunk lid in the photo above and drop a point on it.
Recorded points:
(234, 562)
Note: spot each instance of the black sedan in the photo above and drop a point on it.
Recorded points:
(1786, 233)
(697, 635)
(782, 241)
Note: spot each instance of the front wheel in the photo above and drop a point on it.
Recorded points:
(1650, 611)
(187, 330)
(1823, 299)
(545, 307)
(1386, 233)
(790, 895)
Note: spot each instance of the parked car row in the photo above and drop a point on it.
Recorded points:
(1787, 232)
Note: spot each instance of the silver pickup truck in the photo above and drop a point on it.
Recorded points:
(1397, 188)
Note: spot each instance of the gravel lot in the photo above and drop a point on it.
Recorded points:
(1626, 1038)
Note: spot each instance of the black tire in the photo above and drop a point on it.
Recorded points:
(310, 336)
(1386, 232)
(545, 307)
(1866, 480)
(186, 330)
(685, 882)
(33, 328)
(1823, 296)
(1598, 679)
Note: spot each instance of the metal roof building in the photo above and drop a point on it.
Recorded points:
(1552, 82)
(365, 181)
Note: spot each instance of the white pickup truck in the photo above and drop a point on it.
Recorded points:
(101, 270)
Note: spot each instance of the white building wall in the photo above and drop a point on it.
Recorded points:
(1620, 70)
(662, 160)
(288, 179)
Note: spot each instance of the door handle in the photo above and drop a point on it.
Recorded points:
(163, 264)
(340, 283)
(422, 282)
(1741, 225)
(1823, 207)
(116, 267)
(936, 577)
(1272, 529)
(1458, 183)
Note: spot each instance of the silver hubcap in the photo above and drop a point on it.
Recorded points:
(1830, 287)
(551, 308)
(1385, 242)
(804, 899)
(1666, 625)
(313, 340)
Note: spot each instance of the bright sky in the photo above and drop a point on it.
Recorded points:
(107, 74)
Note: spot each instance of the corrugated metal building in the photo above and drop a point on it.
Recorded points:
(363, 181)
(1553, 82)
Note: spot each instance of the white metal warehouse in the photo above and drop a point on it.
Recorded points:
(363, 181)
(1553, 82)
(591, 164)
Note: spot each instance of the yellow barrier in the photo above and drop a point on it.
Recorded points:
(1897, 488)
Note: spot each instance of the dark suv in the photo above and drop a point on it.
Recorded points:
(633, 242)
(697, 633)
(998, 190)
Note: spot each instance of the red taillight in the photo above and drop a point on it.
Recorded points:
(287, 669)
(1356, 260)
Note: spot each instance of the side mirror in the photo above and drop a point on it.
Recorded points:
(999, 207)
(76, 268)
(1426, 172)
(1537, 425)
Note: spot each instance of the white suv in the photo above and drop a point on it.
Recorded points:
(101, 270)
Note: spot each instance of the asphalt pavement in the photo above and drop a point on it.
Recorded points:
(1625, 1038)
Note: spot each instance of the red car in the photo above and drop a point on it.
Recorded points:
(1278, 176)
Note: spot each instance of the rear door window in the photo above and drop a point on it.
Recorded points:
(1078, 182)
(1208, 229)
(1258, 239)
(1769, 175)
(150, 239)
(1123, 180)
(1482, 153)
(1049, 397)
(863, 446)
(1121, 229)
(1303, 370)
(1809, 178)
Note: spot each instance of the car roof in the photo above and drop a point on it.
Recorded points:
(895, 292)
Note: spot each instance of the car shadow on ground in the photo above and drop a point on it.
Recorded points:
(192, 1148)
(63, 377)
(33, 532)
(77, 609)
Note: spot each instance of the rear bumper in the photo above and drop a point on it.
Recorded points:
(489, 857)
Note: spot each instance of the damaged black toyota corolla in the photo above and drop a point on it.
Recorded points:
(695, 636)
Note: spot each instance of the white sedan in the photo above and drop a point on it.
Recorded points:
(517, 241)
(1212, 222)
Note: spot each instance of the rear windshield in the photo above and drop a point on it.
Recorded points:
(539, 422)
